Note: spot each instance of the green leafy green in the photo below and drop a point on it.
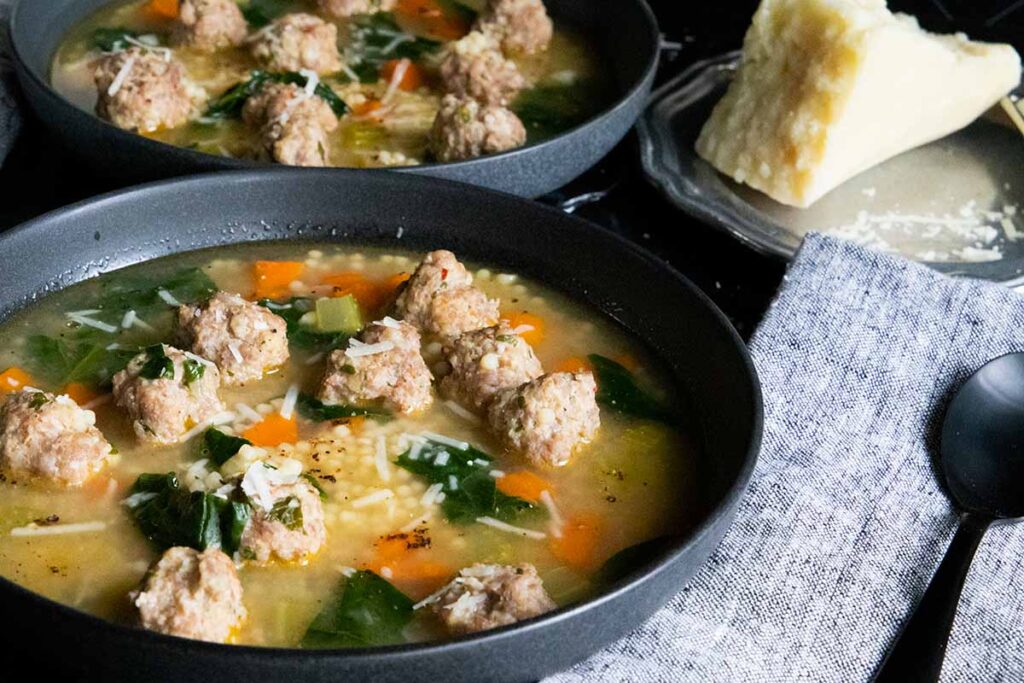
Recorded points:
(301, 336)
(170, 515)
(113, 39)
(220, 447)
(230, 103)
(39, 399)
(62, 360)
(259, 13)
(315, 483)
(193, 371)
(318, 411)
(549, 109)
(120, 294)
(618, 390)
(475, 493)
(287, 511)
(158, 365)
(369, 612)
(376, 39)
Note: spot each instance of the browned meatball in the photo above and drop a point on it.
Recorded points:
(548, 418)
(209, 25)
(439, 298)
(296, 42)
(50, 437)
(486, 361)
(139, 90)
(474, 67)
(244, 339)
(290, 527)
(166, 393)
(191, 594)
(395, 372)
(487, 596)
(522, 26)
(465, 129)
(293, 125)
(341, 9)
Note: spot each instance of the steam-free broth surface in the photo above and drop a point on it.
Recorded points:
(635, 480)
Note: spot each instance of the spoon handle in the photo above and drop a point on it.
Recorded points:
(917, 654)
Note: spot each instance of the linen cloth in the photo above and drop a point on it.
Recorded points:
(845, 521)
(10, 114)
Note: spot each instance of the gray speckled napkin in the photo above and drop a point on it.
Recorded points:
(10, 115)
(844, 521)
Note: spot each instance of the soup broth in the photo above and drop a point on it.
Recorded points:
(633, 482)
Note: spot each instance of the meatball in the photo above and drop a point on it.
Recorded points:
(292, 124)
(167, 393)
(487, 596)
(291, 528)
(439, 298)
(244, 339)
(465, 129)
(486, 361)
(522, 26)
(396, 373)
(296, 42)
(474, 67)
(547, 418)
(50, 437)
(191, 594)
(342, 9)
(141, 91)
(209, 25)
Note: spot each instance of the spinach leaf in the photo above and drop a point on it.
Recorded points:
(376, 39)
(230, 103)
(220, 447)
(618, 390)
(60, 361)
(547, 110)
(318, 411)
(157, 365)
(170, 515)
(304, 336)
(475, 493)
(315, 483)
(193, 371)
(369, 612)
(112, 39)
(259, 13)
(287, 511)
(118, 295)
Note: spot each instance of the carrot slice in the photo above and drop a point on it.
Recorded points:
(15, 379)
(272, 278)
(429, 17)
(80, 393)
(412, 78)
(367, 107)
(533, 336)
(273, 430)
(165, 9)
(523, 484)
(574, 364)
(578, 544)
(404, 559)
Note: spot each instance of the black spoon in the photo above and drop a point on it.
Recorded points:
(982, 460)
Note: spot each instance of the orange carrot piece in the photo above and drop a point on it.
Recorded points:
(80, 393)
(15, 379)
(412, 79)
(165, 9)
(367, 107)
(579, 542)
(533, 336)
(428, 17)
(523, 484)
(356, 424)
(406, 561)
(271, 278)
(365, 291)
(574, 364)
(273, 431)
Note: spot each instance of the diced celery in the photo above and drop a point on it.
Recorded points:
(338, 314)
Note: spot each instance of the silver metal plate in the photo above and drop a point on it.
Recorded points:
(951, 204)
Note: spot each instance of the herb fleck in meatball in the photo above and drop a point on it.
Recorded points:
(487, 596)
(140, 90)
(290, 526)
(166, 393)
(548, 418)
(486, 361)
(293, 125)
(244, 339)
(191, 594)
(298, 41)
(474, 67)
(465, 129)
(209, 25)
(50, 437)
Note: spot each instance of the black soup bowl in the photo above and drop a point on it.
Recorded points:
(624, 31)
(698, 349)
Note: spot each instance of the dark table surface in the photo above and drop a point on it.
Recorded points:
(38, 177)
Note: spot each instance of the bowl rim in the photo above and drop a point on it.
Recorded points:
(145, 144)
(623, 585)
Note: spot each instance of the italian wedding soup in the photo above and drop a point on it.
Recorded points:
(357, 83)
(313, 446)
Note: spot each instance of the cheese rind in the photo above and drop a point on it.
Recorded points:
(829, 88)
